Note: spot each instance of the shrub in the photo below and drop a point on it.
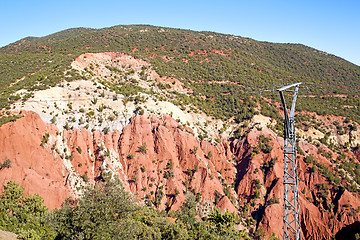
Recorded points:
(272, 201)
(266, 148)
(45, 139)
(168, 174)
(85, 177)
(67, 127)
(195, 149)
(53, 120)
(94, 101)
(106, 130)
(309, 159)
(79, 149)
(170, 164)
(142, 149)
(91, 113)
(268, 165)
(256, 150)
(159, 194)
(5, 164)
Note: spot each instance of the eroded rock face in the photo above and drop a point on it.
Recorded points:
(159, 160)
(37, 168)
(324, 210)
(156, 159)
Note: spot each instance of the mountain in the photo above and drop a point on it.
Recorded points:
(210, 64)
(171, 111)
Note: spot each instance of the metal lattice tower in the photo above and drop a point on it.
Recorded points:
(291, 197)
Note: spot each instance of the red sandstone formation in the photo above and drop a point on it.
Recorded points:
(37, 168)
(158, 161)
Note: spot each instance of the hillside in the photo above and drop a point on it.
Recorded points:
(171, 112)
(217, 66)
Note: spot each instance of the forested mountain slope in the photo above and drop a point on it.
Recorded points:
(217, 66)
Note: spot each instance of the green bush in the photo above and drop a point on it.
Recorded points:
(79, 149)
(23, 214)
(142, 148)
(5, 164)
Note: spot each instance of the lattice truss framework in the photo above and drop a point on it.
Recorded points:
(291, 208)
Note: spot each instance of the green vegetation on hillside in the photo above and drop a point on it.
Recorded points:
(223, 70)
(9, 118)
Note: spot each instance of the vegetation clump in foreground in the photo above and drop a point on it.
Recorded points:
(108, 212)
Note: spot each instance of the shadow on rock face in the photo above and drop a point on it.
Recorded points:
(349, 231)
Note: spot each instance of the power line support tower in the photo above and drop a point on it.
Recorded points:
(291, 206)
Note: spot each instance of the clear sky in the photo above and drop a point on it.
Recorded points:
(328, 25)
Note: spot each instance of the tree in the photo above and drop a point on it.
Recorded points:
(109, 212)
(222, 221)
(79, 218)
(188, 211)
(223, 225)
(23, 215)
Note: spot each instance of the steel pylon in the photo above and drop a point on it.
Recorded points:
(291, 208)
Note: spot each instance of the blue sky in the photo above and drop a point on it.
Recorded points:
(327, 25)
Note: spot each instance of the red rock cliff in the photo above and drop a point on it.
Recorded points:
(159, 161)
